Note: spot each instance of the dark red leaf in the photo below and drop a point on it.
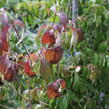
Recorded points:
(28, 70)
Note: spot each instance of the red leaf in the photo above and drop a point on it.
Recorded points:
(61, 82)
(52, 91)
(53, 88)
(54, 55)
(4, 63)
(27, 69)
(48, 38)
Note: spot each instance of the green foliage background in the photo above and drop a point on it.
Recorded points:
(81, 91)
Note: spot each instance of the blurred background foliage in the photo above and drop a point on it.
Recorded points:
(86, 89)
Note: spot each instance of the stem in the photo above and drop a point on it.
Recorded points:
(31, 65)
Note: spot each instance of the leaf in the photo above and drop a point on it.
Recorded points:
(54, 55)
(48, 37)
(61, 82)
(4, 63)
(52, 91)
(28, 70)
(45, 70)
(53, 88)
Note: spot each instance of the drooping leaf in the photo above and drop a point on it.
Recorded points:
(54, 55)
(27, 69)
(45, 70)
